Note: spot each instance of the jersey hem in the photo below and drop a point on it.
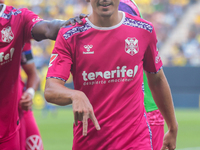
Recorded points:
(57, 78)
(2, 140)
(32, 29)
(157, 71)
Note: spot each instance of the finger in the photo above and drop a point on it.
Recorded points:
(66, 23)
(76, 118)
(83, 16)
(26, 106)
(23, 102)
(26, 101)
(164, 147)
(171, 147)
(77, 19)
(30, 108)
(80, 116)
(24, 96)
(72, 21)
(85, 123)
(94, 120)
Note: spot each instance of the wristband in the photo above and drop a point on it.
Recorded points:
(31, 91)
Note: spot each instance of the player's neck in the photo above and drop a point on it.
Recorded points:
(100, 21)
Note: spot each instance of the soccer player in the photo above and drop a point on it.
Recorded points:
(17, 26)
(29, 133)
(154, 116)
(106, 56)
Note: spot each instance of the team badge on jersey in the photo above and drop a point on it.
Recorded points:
(131, 46)
(53, 57)
(7, 35)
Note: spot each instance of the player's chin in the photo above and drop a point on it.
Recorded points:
(106, 14)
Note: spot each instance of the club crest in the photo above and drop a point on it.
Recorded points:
(7, 35)
(131, 46)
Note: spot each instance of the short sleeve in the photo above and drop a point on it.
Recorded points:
(27, 46)
(61, 59)
(29, 20)
(152, 60)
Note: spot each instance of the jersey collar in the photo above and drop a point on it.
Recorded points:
(106, 28)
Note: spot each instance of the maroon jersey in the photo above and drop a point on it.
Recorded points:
(15, 30)
(107, 65)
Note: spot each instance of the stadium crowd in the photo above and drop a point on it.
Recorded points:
(188, 53)
(164, 14)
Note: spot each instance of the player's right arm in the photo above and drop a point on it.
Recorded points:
(57, 93)
(55, 90)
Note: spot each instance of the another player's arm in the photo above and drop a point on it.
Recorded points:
(49, 29)
(33, 79)
(32, 84)
(57, 93)
(162, 95)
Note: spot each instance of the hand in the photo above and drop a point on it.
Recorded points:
(73, 21)
(169, 140)
(26, 101)
(83, 110)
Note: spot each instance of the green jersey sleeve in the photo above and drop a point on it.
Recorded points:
(149, 103)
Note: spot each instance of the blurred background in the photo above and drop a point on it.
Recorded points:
(177, 24)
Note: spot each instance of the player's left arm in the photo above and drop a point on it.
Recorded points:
(49, 29)
(162, 95)
(33, 80)
(32, 84)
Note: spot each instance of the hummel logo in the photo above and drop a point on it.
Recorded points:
(88, 48)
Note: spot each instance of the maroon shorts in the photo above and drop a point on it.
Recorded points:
(29, 133)
(156, 122)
